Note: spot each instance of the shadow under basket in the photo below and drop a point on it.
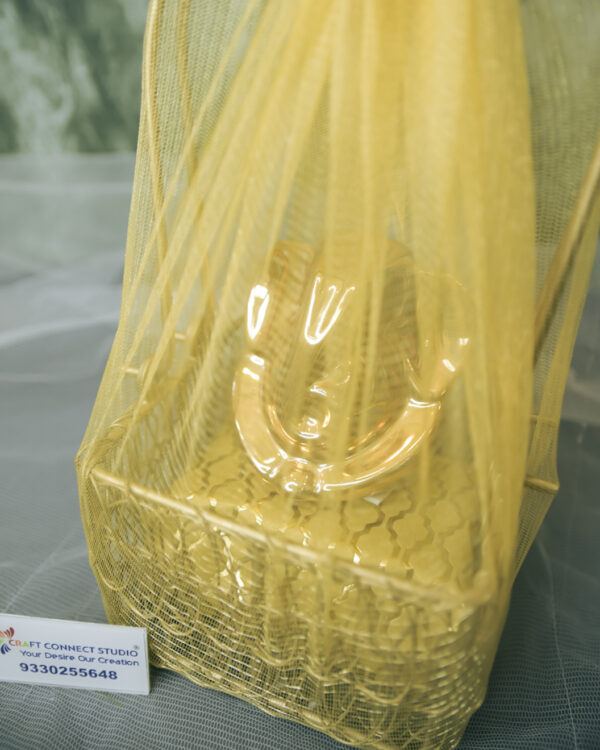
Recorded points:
(235, 596)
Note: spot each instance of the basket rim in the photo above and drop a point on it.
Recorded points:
(483, 590)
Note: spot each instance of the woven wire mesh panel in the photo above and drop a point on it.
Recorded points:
(358, 655)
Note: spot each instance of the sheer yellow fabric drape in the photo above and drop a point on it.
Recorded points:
(305, 468)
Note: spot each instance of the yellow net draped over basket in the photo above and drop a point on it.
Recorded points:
(359, 243)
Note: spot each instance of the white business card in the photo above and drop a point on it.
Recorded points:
(74, 654)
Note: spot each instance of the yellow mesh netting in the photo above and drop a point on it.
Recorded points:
(304, 470)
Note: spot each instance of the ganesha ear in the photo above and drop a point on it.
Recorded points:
(443, 334)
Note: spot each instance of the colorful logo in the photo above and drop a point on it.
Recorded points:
(5, 634)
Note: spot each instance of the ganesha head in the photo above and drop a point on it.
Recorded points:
(338, 387)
